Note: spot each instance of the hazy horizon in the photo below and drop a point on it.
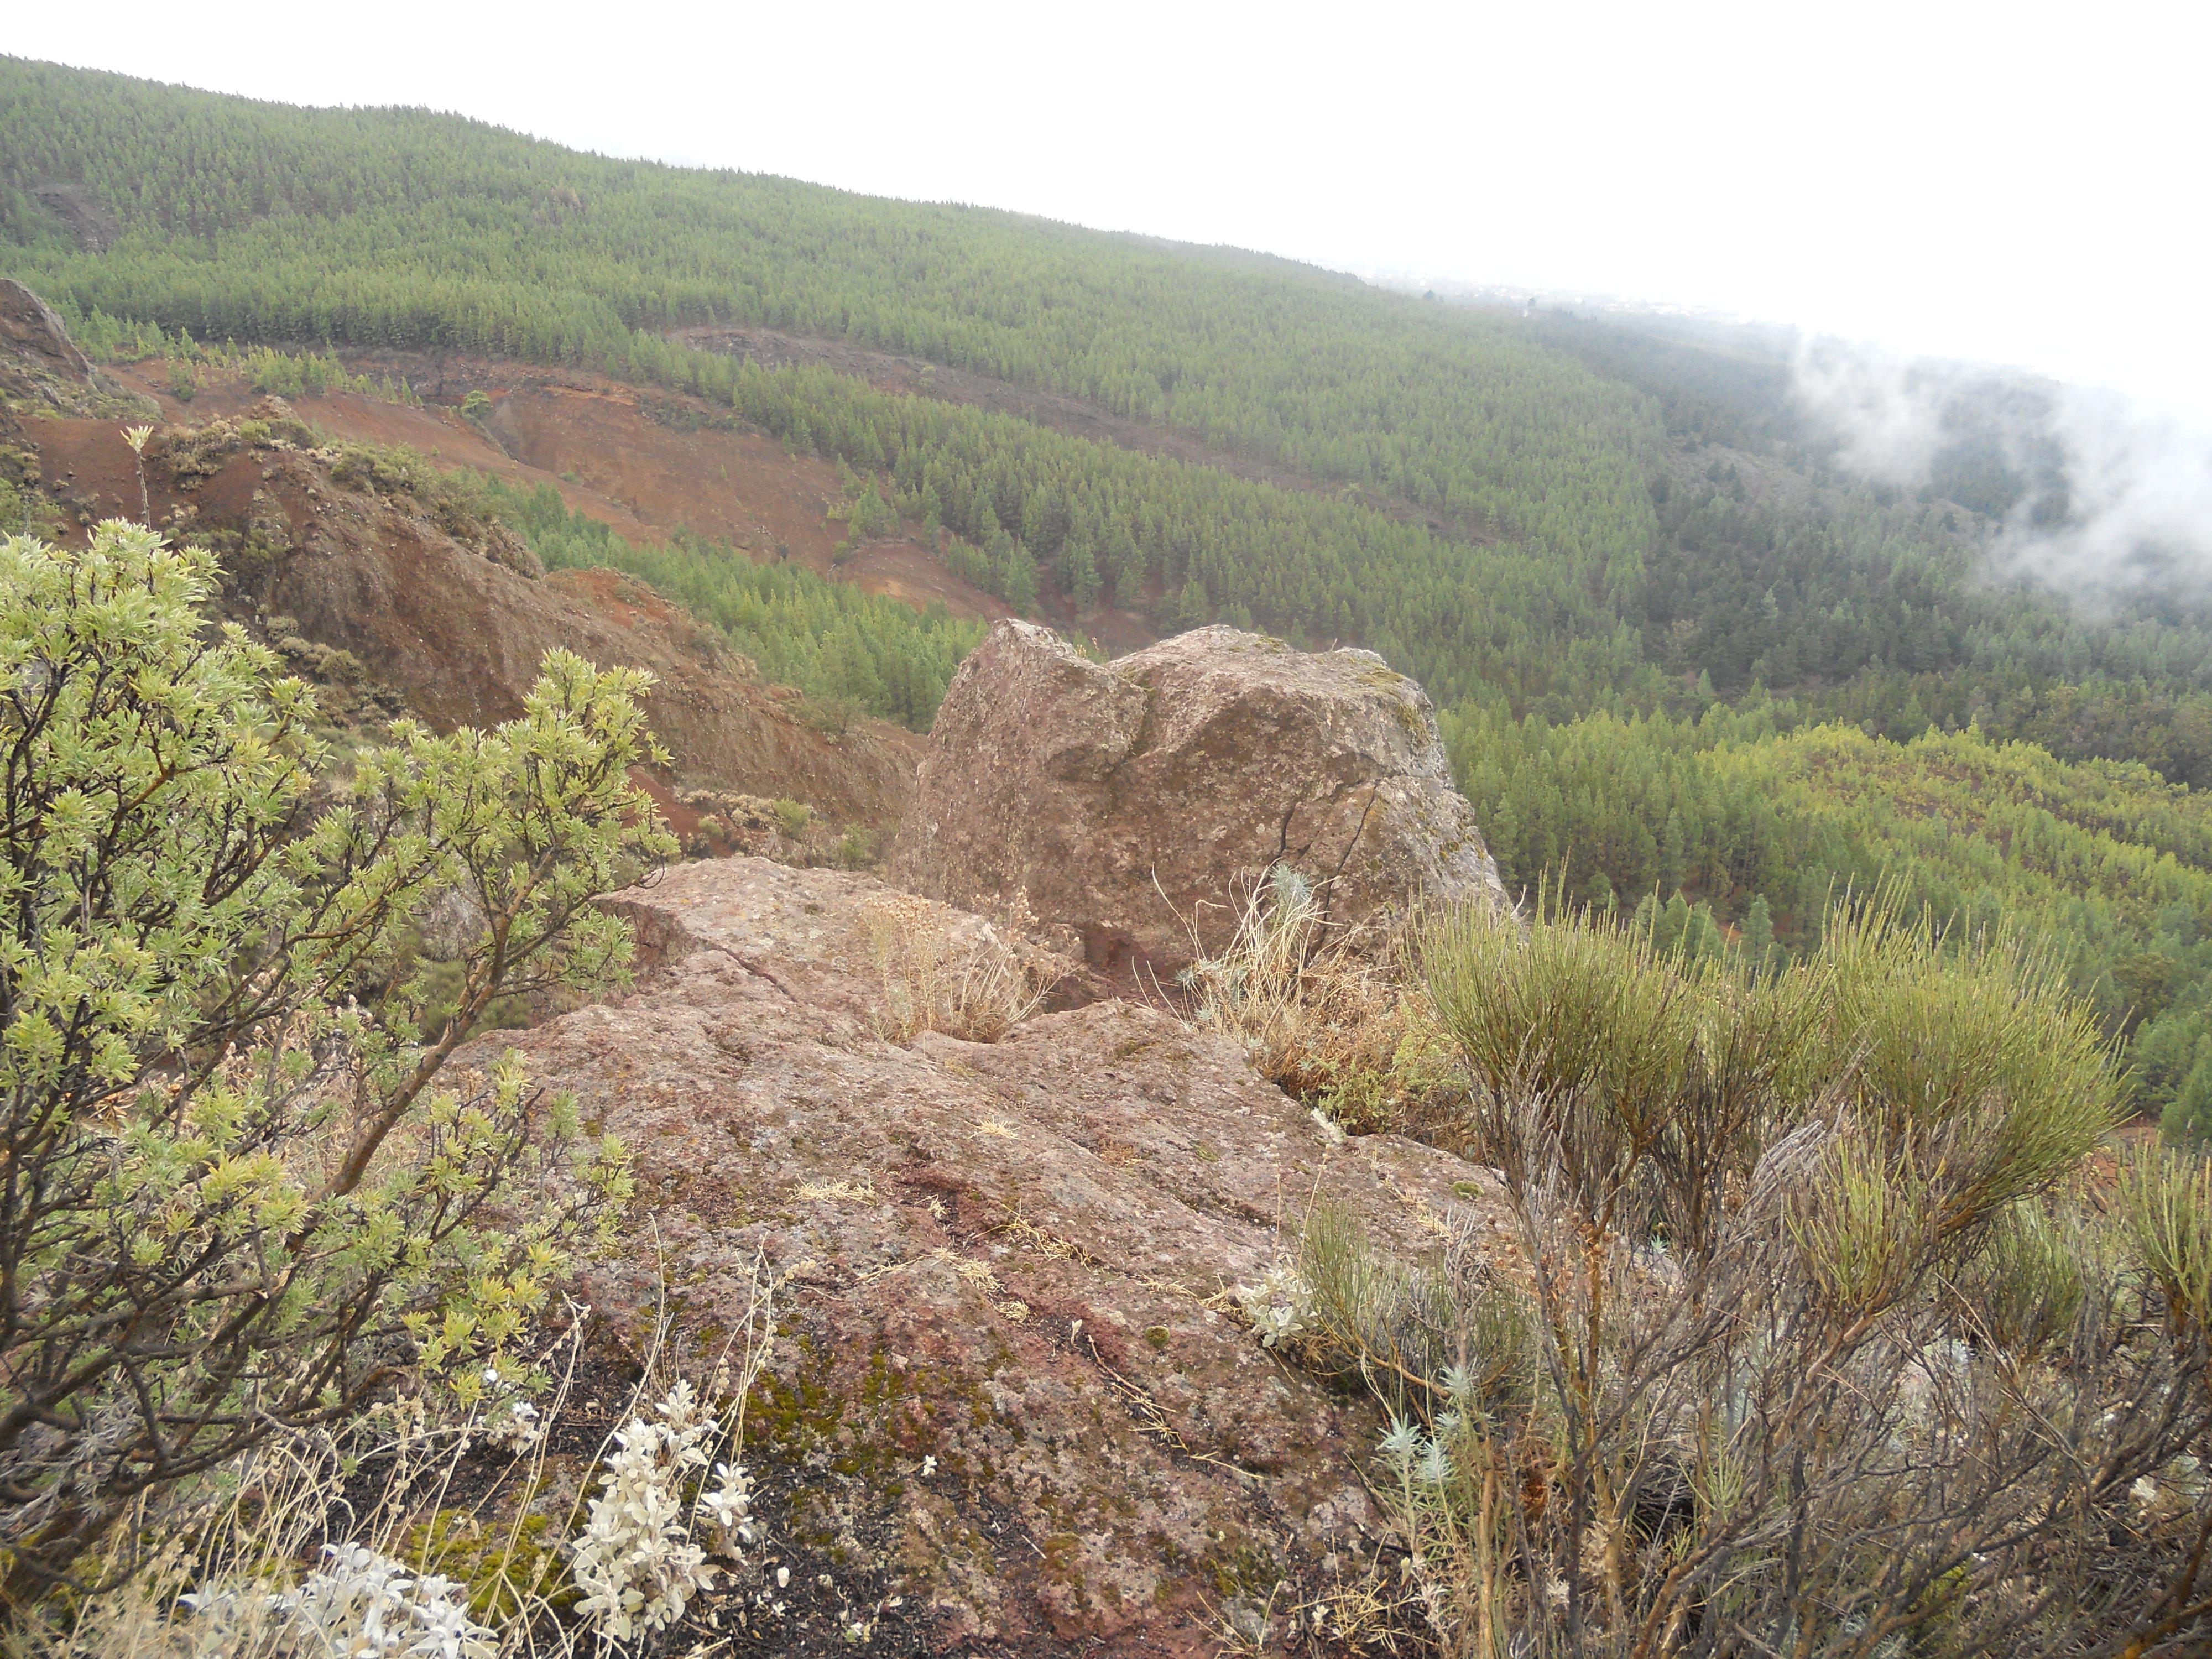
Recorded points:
(1944, 181)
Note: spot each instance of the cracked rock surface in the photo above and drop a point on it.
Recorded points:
(1134, 803)
(1015, 1391)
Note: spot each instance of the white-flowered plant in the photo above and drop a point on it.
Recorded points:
(358, 1605)
(636, 1560)
(729, 1505)
(507, 1417)
(1280, 1306)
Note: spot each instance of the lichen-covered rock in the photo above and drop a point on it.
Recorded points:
(1135, 802)
(1017, 1409)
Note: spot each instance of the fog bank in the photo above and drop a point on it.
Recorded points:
(2086, 489)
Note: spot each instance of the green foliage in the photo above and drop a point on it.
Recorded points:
(238, 1191)
(1753, 808)
(1601, 546)
(404, 228)
(2165, 1206)
(871, 515)
(24, 508)
(839, 645)
(1741, 557)
(2027, 1285)
(1510, 520)
(1214, 546)
(106, 339)
(299, 375)
(858, 848)
(1648, 1077)
(1966, 1061)
(1779, 1320)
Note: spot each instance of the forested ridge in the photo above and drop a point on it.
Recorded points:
(1554, 445)
(1686, 658)
(400, 228)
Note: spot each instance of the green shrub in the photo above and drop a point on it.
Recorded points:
(858, 848)
(236, 1191)
(1795, 1337)
(1967, 1057)
(2165, 1204)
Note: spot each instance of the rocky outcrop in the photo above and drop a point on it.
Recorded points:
(87, 218)
(458, 628)
(391, 602)
(1017, 1410)
(30, 331)
(1134, 802)
(43, 372)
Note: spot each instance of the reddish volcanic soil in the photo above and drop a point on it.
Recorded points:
(453, 630)
(599, 443)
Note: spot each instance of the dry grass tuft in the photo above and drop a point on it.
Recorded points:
(1372, 1608)
(1354, 1034)
(962, 976)
(840, 1192)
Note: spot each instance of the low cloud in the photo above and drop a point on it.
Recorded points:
(2085, 489)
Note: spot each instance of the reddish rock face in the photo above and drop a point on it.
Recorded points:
(1136, 802)
(447, 621)
(1016, 1392)
(29, 328)
(451, 623)
(42, 372)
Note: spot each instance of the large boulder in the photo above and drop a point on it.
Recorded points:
(1136, 802)
(1016, 1407)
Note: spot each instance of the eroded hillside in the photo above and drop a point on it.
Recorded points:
(392, 593)
(648, 465)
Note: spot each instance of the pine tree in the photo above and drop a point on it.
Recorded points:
(1125, 565)
(1017, 578)
(1078, 572)
(1600, 891)
(1757, 932)
(1671, 871)
(1187, 610)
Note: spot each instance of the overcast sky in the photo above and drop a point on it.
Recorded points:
(2016, 182)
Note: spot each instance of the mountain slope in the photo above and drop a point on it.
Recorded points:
(395, 593)
(1617, 481)
(1568, 528)
(400, 228)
